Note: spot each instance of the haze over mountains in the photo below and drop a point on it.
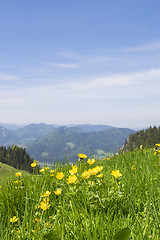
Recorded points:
(47, 142)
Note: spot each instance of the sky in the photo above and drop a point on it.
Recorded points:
(77, 62)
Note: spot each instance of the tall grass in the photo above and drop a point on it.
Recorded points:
(91, 207)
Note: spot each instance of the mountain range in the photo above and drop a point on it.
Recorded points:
(47, 142)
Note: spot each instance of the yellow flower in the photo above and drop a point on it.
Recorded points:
(60, 175)
(33, 165)
(86, 174)
(154, 153)
(107, 158)
(158, 144)
(116, 173)
(18, 174)
(16, 181)
(58, 191)
(44, 204)
(91, 182)
(46, 168)
(81, 155)
(91, 161)
(37, 220)
(52, 171)
(13, 219)
(92, 171)
(133, 167)
(46, 194)
(0, 186)
(42, 170)
(72, 179)
(100, 175)
(73, 170)
(99, 168)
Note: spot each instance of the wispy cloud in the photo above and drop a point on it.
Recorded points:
(132, 79)
(143, 48)
(7, 77)
(91, 59)
(64, 65)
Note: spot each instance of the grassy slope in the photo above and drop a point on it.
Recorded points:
(8, 173)
(85, 210)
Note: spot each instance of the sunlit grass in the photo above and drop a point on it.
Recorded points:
(87, 200)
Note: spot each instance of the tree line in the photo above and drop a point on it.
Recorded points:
(16, 157)
(148, 138)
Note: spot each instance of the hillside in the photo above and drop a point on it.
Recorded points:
(148, 138)
(16, 157)
(70, 141)
(7, 172)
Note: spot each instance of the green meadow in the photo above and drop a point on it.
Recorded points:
(115, 198)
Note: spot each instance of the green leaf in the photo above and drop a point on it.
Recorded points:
(123, 234)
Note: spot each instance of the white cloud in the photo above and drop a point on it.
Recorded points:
(143, 48)
(114, 97)
(133, 79)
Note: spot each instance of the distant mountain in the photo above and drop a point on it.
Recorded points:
(92, 128)
(9, 126)
(32, 132)
(72, 141)
(7, 138)
(45, 142)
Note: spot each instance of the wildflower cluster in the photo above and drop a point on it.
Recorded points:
(85, 176)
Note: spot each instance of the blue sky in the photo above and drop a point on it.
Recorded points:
(71, 62)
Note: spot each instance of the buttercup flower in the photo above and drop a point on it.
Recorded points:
(58, 191)
(116, 173)
(157, 144)
(133, 167)
(45, 204)
(100, 175)
(46, 168)
(99, 168)
(46, 194)
(86, 174)
(16, 181)
(93, 171)
(73, 170)
(18, 174)
(33, 165)
(13, 219)
(60, 175)
(91, 161)
(82, 156)
(72, 179)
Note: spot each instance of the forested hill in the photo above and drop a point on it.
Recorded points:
(148, 138)
(71, 141)
(16, 157)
